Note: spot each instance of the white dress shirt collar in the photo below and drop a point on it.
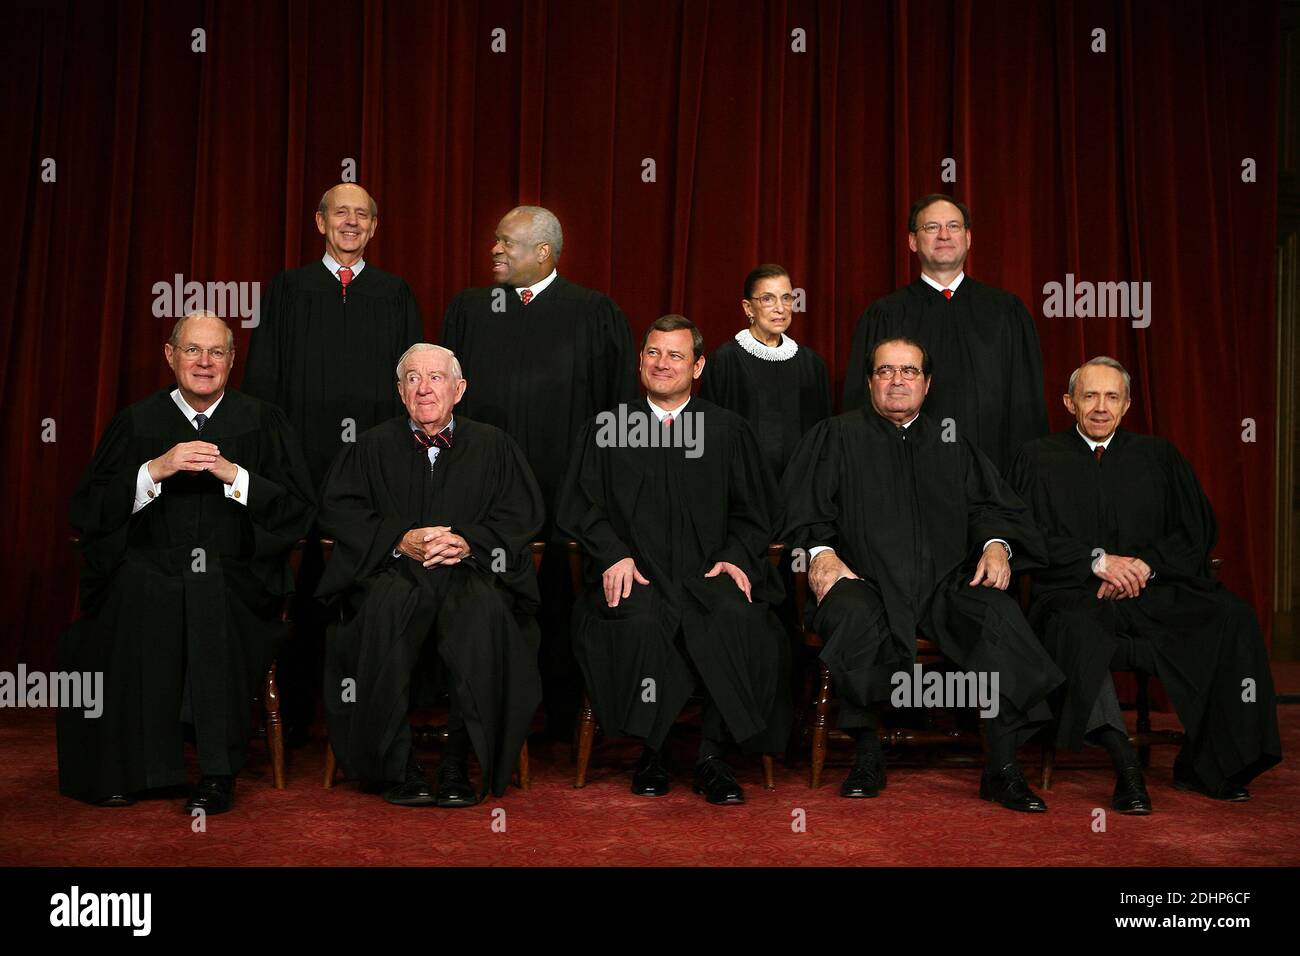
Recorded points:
(189, 413)
(333, 266)
(662, 413)
(1092, 445)
(934, 285)
(540, 287)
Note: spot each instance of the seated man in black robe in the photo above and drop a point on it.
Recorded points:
(1128, 586)
(910, 530)
(186, 514)
(673, 507)
(431, 515)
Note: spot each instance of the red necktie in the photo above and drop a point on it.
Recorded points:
(668, 421)
(345, 276)
(947, 293)
(526, 295)
(1098, 451)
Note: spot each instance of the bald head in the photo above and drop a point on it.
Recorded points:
(347, 217)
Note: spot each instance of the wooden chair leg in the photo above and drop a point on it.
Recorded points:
(1049, 764)
(274, 728)
(799, 734)
(525, 769)
(820, 728)
(1143, 717)
(330, 766)
(586, 734)
(769, 778)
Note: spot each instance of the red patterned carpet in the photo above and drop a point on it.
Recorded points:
(928, 816)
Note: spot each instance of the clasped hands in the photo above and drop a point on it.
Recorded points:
(434, 546)
(618, 578)
(1121, 577)
(193, 456)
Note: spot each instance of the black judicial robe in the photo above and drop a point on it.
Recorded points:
(676, 517)
(540, 372)
(478, 611)
(324, 359)
(910, 513)
(781, 400)
(151, 606)
(988, 369)
(1143, 500)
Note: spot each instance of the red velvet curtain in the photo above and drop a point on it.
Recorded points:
(1122, 165)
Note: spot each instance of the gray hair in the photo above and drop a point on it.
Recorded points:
(545, 227)
(427, 347)
(174, 340)
(324, 206)
(1108, 362)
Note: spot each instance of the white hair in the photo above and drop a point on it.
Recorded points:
(1108, 362)
(175, 340)
(544, 227)
(427, 347)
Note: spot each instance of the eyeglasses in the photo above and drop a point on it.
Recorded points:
(909, 372)
(192, 353)
(932, 228)
(768, 299)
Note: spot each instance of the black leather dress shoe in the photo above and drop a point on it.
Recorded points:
(454, 788)
(212, 795)
(116, 800)
(651, 777)
(866, 779)
(1130, 794)
(1007, 786)
(413, 791)
(715, 780)
(1185, 778)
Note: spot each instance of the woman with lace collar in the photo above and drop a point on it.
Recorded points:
(780, 387)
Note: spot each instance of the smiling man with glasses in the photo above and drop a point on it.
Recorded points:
(193, 500)
(981, 339)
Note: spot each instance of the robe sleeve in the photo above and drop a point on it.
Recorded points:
(1028, 413)
(752, 505)
(1069, 560)
(262, 371)
(453, 325)
(101, 507)
(281, 500)
(363, 537)
(613, 362)
(821, 408)
(1184, 549)
(869, 331)
(993, 510)
(516, 515)
(413, 325)
(582, 511)
(810, 492)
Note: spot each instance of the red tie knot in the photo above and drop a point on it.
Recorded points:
(947, 293)
(527, 296)
(345, 276)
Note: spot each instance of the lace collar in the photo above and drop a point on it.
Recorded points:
(769, 353)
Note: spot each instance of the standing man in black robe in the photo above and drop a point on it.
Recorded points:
(674, 509)
(1129, 533)
(193, 499)
(545, 355)
(324, 347)
(432, 516)
(912, 531)
(981, 340)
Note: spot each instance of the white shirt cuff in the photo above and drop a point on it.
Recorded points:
(813, 552)
(1001, 542)
(146, 489)
(238, 489)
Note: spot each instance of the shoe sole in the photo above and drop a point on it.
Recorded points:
(1134, 812)
(730, 801)
(418, 802)
(650, 793)
(859, 796)
(1017, 809)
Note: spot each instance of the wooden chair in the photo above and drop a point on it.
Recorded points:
(818, 728)
(271, 703)
(1143, 737)
(425, 734)
(587, 723)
